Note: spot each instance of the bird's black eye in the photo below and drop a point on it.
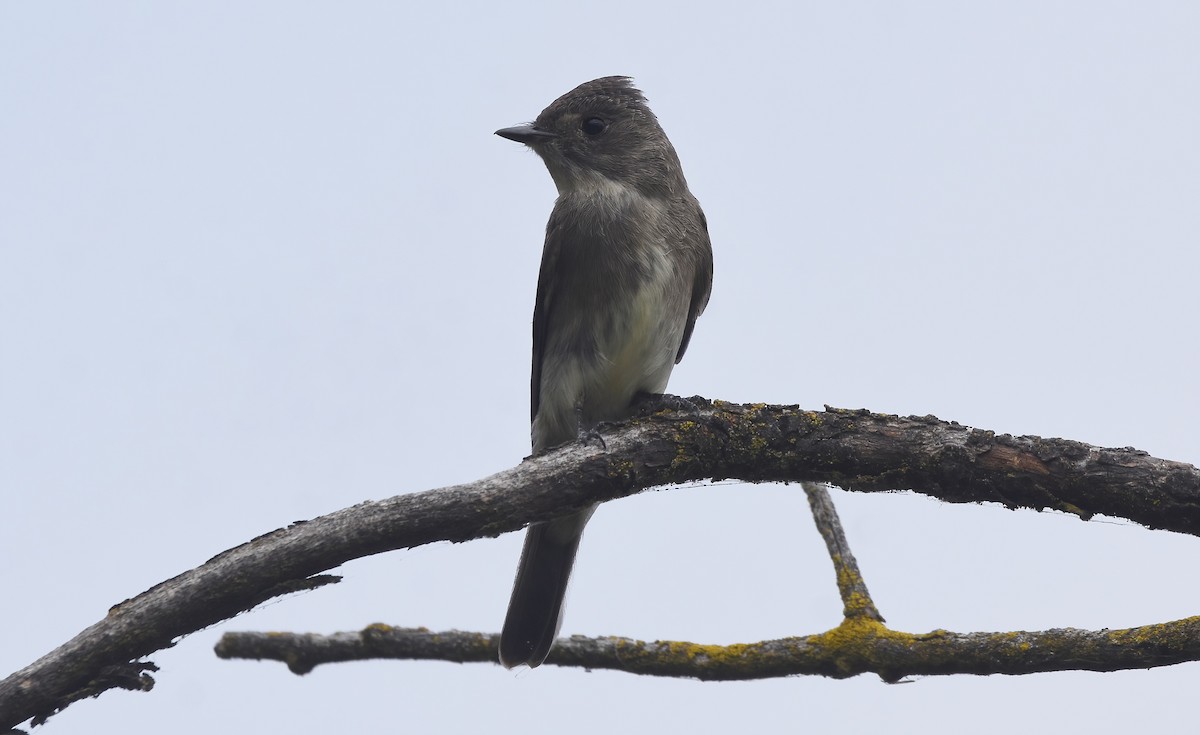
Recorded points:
(593, 126)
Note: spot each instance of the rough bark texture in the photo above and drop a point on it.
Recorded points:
(856, 450)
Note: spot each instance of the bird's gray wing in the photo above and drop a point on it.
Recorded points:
(542, 308)
(701, 284)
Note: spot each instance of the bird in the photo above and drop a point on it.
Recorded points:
(626, 269)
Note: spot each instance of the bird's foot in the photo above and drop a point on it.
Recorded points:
(586, 432)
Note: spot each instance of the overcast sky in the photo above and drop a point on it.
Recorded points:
(262, 261)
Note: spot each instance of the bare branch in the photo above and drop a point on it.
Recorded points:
(858, 646)
(757, 443)
(856, 600)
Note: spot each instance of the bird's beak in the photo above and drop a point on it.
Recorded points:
(527, 134)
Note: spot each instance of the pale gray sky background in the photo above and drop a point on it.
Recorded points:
(261, 261)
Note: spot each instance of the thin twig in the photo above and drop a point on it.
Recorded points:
(856, 600)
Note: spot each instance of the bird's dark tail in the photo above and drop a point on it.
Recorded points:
(535, 609)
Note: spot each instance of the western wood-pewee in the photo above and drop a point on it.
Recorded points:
(626, 269)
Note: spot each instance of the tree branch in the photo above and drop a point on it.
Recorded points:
(857, 450)
(856, 600)
(857, 646)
